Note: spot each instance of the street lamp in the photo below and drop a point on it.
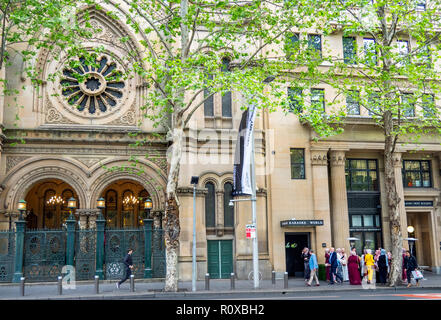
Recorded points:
(410, 229)
(194, 181)
(101, 204)
(71, 204)
(21, 208)
(148, 205)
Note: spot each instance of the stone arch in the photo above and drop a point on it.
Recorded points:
(150, 179)
(21, 179)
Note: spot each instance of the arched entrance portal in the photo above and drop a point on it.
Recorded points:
(47, 204)
(124, 204)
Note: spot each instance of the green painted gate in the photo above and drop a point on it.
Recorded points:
(220, 258)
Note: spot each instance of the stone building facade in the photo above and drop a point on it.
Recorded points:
(70, 150)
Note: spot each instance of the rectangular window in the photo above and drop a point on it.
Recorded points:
(209, 102)
(417, 174)
(428, 105)
(352, 103)
(315, 43)
(374, 103)
(408, 105)
(349, 51)
(292, 44)
(295, 100)
(403, 51)
(361, 175)
(318, 99)
(297, 163)
(370, 52)
(226, 105)
(421, 6)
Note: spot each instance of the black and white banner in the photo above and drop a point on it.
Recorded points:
(243, 152)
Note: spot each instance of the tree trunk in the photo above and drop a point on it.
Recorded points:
(172, 226)
(393, 201)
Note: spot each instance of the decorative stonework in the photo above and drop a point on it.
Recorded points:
(129, 118)
(12, 161)
(89, 162)
(338, 158)
(319, 157)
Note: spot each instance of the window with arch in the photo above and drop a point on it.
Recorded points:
(142, 196)
(111, 210)
(210, 205)
(66, 195)
(226, 98)
(128, 209)
(49, 210)
(228, 210)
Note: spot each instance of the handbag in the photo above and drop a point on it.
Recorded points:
(417, 275)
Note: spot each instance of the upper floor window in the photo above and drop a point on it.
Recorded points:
(297, 163)
(421, 6)
(228, 210)
(352, 105)
(370, 51)
(408, 105)
(349, 50)
(318, 99)
(226, 98)
(403, 50)
(417, 173)
(315, 43)
(292, 43)
(374, 103)
(361, 175)
(428, 105)
(210, 205)
(209, 101)
(295, 99)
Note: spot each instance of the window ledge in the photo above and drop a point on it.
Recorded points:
(421, 192)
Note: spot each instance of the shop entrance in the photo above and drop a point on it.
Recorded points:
(294, 244)
(422, 248)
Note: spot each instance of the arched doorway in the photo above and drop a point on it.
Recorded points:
(124, 204)
(47, 204)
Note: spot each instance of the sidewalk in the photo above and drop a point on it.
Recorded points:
(152, 288)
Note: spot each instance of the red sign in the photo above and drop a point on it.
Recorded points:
(250, 231)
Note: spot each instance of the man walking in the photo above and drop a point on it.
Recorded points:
(333, 261)
(129, 266)
(313, 267)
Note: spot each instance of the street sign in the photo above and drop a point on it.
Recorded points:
(251, 231)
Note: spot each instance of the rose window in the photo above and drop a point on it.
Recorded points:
(101, 90)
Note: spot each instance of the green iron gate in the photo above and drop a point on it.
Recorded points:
(44, 254)
(85, 254)
(116, 244)
(158, 254)
(7, 254)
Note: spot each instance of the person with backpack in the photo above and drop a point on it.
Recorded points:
(129, 266)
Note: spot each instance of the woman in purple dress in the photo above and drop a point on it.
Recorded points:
(353, 268)
(328, 266)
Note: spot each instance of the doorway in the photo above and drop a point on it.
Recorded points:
(220, 258)
(294, 244)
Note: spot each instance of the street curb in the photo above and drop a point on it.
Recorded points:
(223, 293)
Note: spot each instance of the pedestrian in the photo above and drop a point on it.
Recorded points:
(333, 261)
(313, 267)
(362, 264)
(411, 265)
(344, 265)
(404, 273)
(370, 263)
(383, 265)
(340, 263)
(327, 265)
(305, 257)
(128, 267)
(354, 268)
(376, 256)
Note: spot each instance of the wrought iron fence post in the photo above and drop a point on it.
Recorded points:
(100, 222)
(70, 247)
(148, 248)
(19, 250)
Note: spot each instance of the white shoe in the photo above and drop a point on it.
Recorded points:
(117, 285)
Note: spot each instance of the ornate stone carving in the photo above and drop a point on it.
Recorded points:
(53, 115)
(319, 157)
(129, 118)
(12, 161)
(89, 162)
(338, 158)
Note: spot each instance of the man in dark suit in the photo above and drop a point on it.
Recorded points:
(333, 261)
(129, 266)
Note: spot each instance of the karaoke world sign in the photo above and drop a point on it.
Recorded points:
(301, 223)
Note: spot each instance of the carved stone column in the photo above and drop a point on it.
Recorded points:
(322, 211)
(340, 216)
(12, 217)
(90, 214)
(156, 215)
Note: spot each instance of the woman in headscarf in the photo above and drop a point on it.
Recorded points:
(369, 262)
(383, 264)
(376, 256)
(353, 268)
